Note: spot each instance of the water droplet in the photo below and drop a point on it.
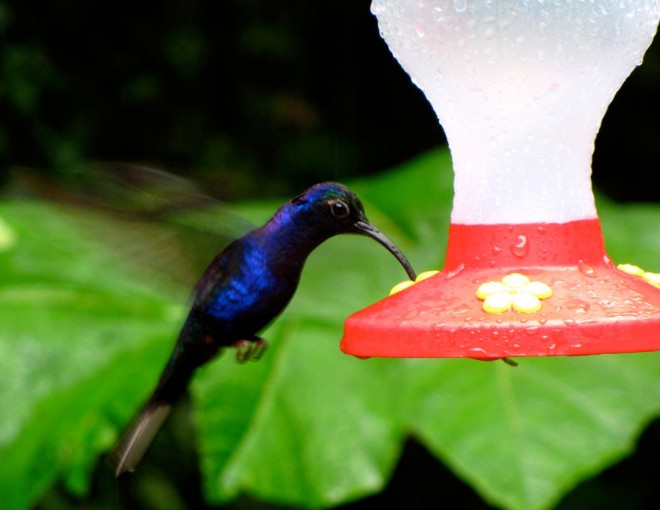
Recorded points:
(455, 272)
(460, 5)
(577, 306)
(586, 269)
(421, 31)
(521, 247)
(496, 250)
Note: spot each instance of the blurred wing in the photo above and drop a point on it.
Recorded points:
(151, 221)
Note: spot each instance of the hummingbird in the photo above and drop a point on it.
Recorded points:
(242, 290)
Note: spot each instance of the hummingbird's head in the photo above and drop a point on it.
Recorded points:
(332, 208)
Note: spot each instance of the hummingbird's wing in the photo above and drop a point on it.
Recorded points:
(219, 275)
(159, 224)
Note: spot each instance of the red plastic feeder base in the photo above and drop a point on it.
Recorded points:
(594, 308)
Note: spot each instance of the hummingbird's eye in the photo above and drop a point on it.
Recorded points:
(339, 209)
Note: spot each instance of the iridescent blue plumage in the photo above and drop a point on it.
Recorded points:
(243, 289)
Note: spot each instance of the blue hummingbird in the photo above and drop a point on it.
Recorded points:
(242, 290)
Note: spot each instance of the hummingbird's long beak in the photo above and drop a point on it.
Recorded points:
(365, 228)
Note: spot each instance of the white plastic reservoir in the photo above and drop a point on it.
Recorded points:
(520, 87)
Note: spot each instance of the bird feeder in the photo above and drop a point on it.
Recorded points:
(520, 88)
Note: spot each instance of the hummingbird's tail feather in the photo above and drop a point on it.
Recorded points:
(136, 440)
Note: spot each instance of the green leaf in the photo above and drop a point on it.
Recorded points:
(524, 436)
(84, 337)
(75, 335)
(295, 446)
(631, 233)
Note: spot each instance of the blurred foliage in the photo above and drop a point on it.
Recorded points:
(83, 339)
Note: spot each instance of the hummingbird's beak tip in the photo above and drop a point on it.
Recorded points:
(366, 228)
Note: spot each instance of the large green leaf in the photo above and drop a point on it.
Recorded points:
(76, 332)
(83, 339)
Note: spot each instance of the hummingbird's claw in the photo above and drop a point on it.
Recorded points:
(251, 349)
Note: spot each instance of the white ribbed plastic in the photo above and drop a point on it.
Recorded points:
(520, 87)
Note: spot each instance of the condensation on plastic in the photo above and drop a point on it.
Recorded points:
(520, 87)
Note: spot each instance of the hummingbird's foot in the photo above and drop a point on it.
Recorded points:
(250, 349)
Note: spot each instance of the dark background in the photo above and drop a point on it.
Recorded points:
(235, 92)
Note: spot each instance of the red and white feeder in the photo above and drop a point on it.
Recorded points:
(520, 89)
